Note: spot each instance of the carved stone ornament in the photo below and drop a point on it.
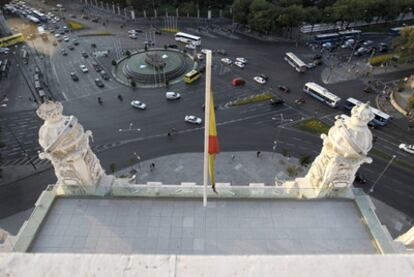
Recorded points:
(344, 150)
(66, 145)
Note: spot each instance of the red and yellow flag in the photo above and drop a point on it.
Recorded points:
(213, 145)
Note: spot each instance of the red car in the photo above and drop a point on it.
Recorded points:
(238, 82)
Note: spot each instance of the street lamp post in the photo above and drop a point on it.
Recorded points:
(274, 148)
(382, 173)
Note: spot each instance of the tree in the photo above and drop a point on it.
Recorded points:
(112, 167)
(241, 10)
(404, 45)
(411, 102)
(285, 152)
(305, 160)
(292, 171)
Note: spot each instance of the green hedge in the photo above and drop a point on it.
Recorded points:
(252, 99)
(377, 60)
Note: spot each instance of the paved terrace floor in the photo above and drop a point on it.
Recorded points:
(183, 226)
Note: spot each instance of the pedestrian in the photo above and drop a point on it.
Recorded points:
(258, 154)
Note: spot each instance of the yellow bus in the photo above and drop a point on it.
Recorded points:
(11, 40)
(192, 76)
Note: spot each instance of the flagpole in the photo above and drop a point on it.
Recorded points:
(206, 124)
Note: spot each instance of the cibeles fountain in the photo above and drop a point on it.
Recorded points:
(344, 150)
(66, 145)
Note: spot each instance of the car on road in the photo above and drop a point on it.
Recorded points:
(149, 43)
(97, 67)
(75, 42)
(349, 43)
(361, 51)
(284, 88)
(84, 54)
(83, 68)
(328, 46)
(226, 61)
(171, 95)
(174, 46)
(99, 83)
(74, 76)
(190, 46)
(241, 59)
(66, 39)
(239, 64)
(221, 52)
(193, 119)
(276, 101)
(138, 105)
(367, 43)
(200, 56)
(70, 47)
(134, 31)
(63, 51)
(238, 82)
(409, 148)
(310, 65)
(57, 35)
(383, 47)
(133, 36)
(104, 75)
(4, 50)
(259, 80)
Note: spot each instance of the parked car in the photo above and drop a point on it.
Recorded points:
(239, 64)
(242, 60)
(238, 82)
(83, 68)
(409, 148)
(226, 61)
(99, 83)
(138, 105)
(367, 43)
(63, 51)
(84, 54)
(193, 119)
(171, 95)
(75, 42)
(70, 47)
(284, 88)
(133, 36)
(264, 76)
(66, 39)
(74, 76)
(361, 51)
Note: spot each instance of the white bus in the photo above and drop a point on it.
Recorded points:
(39, 15)
(322, 94)
(187, 38)
(380, 118)
(295, 62)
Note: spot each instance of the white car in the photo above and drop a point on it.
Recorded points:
(409, 148)
(138, 105)
(57, 35)
(242, 60)
(193, 119)
(4, 50)
(190, 46)
(83, 68)
(171, 95)
(226, 61)
(66, 39)
(260, 80)
(204, 51)
(133, 36)
(239, 64)
(132, 32)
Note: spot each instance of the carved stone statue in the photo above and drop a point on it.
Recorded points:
(66, 145)
(345, 148)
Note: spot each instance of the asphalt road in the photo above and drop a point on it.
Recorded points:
(251, 127)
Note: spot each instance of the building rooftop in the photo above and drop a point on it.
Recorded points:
(184, 226)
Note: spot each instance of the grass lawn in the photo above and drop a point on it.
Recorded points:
(312, 125)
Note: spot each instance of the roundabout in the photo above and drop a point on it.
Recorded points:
(153, 68)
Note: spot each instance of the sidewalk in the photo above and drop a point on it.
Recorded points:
(245, 168)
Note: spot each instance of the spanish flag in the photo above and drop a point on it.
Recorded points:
(213, 145)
